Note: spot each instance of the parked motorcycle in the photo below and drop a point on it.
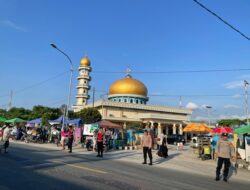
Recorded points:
(89, 144)
(34, 139)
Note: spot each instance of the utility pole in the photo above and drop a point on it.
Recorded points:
(102, 97)
(10, 102)
(93, 103)
(180, 102)
(246, 96)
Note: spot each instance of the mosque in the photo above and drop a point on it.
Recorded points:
(127, 104)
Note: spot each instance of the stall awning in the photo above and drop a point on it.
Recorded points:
(15, 120)
(76, 122)
(109, 125)
(35, 121)
(56, 121)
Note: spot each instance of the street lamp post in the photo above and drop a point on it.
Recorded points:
(209, 113)
(70, 81)
(246, 95)
(103, 100)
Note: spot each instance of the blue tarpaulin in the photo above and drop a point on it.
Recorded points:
(56, 121)
(35, 121)
(76, 122)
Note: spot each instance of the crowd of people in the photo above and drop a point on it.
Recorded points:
(57, 134)
(223, 149)
(34, 134)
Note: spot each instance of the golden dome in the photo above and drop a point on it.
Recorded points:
(128, 85)
(85, 61)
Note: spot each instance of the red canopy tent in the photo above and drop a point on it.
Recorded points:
(220, 130)
(108, 125)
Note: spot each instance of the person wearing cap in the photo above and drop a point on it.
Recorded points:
(224, 152)
(147, 146)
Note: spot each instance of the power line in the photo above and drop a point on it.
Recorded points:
(176, 72)
(193, 95)
(36, 84)
(4, 95)
(221, 19)
(184, 95)
(41, 82)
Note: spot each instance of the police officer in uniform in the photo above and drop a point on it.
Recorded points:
(224, 152)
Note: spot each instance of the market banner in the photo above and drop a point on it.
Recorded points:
(89, 129)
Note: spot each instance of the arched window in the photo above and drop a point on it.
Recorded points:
(125, 100)
(131, 101)
(136, 101)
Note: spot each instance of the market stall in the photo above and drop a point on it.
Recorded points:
(110, 130)
(242, 144)
(202, 143)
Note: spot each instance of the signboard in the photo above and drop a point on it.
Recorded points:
(89, 129)
(78, 135)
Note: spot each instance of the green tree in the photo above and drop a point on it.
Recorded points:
(50, 115)
(2, 112)
(230, 122)
(38, 111)
(72, 115)
(18, 112)
(90, 115)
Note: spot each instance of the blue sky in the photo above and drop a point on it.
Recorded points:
(162, 35)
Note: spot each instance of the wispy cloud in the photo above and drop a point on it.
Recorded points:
(237, 96)
(201, 118)
(231, 106)
(11, 24)
(234, 84)
(231, 117)
(244, 77)
(192, 106)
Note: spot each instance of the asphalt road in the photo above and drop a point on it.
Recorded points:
(26, 167)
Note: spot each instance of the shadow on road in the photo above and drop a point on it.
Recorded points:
(232, 170)
(160, 160)
(15, 174)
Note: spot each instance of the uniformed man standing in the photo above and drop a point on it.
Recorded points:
(147, 147)
(224, 152)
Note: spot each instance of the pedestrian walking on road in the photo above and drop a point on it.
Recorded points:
(70, 138)
(214, 140)
(94, 139)
(163, 149)
(147, 147)
(6, 137)
(63, 138)
(224, 152)
(100, 139)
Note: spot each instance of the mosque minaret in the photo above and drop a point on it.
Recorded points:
(83, 86)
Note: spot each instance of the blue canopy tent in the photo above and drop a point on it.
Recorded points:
(76, 122)
(57, 121)
(35, 121)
